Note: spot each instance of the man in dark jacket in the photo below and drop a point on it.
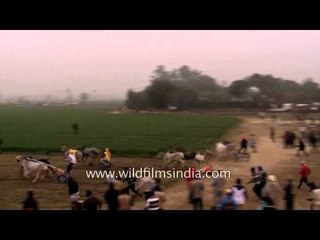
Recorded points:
(289, 194)
(91, 203)
(73, 187)
(301, 148)
(30, 203)
(74, 194)
(111, 197)
(131, 181)
(243, 145)
(313, 140)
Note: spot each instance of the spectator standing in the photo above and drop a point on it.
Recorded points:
(152, 202)
(253, 142)
(111, 197)
(125, 201)
(272, 192)
(195, 194)
(243, 145)
(227, 202)
(146, 184)
(91, 203)
(239, 194)
(30, 204)
(314, 198)
(218, 190)
(289, 194)
(158, 192)
(272, 133)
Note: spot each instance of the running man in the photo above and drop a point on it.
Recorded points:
(72, 160)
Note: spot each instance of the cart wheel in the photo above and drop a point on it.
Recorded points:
(105, 165)
(62, 179)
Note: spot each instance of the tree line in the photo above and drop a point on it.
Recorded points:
(187, 88)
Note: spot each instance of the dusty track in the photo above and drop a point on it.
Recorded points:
(275, 159)
(272, 156)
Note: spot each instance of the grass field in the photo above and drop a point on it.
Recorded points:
(36, 129)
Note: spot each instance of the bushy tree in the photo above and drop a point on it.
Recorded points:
(136, 100)
(186, 88)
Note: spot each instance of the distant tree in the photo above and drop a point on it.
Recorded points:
(280, 90)
(188, 74)
(183, 98)
(310, 90)
(160, 73)
(137, 100)
(185, 87)
(239, 88)
(159, 92)
(180, 87)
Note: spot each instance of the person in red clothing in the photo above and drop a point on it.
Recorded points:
(304, 172)
(206, 168)
(191, 176)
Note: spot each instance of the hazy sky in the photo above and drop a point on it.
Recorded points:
(111, 62)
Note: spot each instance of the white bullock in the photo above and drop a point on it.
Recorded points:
(33, 167)
(176, 157)
(223, 149)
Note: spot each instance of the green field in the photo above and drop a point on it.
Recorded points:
(37, 129)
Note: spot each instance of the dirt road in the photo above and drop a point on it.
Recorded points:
(272, 156)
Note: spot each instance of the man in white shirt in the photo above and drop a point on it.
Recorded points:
(72, 160)
(315, 197)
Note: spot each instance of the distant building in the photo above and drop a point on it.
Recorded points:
(172, 108)
(254, 89)
(284, 108)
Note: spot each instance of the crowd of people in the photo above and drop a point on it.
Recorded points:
(120, 199)
(266, 188)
